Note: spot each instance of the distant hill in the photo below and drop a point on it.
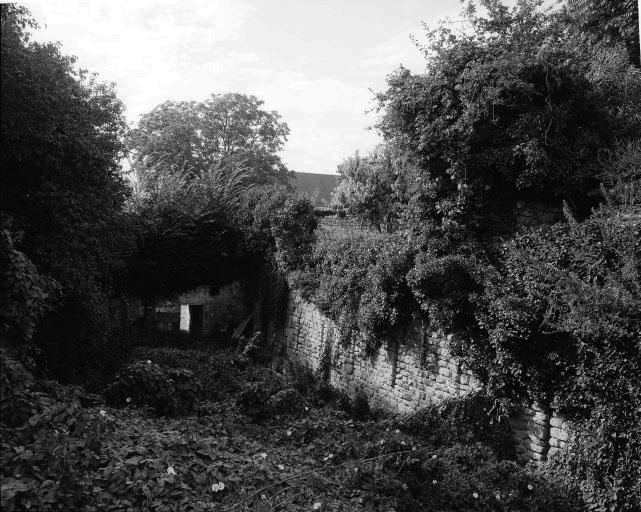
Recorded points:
(316, 187)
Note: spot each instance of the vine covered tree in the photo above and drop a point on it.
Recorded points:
(519, 106)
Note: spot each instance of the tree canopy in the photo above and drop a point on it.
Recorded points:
(517, 107)
(610, 21)
(61, 191)
(225, 131)
(61, 149)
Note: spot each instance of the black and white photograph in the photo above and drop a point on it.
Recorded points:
(320, 255)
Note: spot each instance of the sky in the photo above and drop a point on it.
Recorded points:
(315, 62)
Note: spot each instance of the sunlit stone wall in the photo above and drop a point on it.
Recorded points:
(406, 374)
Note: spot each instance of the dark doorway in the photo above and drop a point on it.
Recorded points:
(196, 320)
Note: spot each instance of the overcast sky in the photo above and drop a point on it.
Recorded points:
(312, 61)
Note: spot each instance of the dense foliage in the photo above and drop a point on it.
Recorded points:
(24, 293)
(210, 191)
(66, 454)
(171, 391)
(186, 234)
(525, 106)
(372, 187)
(612, 22)
(226, 130)
(518, 106)
(358, 280)
(61, 191)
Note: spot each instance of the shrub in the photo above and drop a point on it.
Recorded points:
(17, 402)
(603, 458)
(24, 293)
(50, 456)
(442, 286)
(358, 280)
(563, 313)
(168, 392)
(292, 227)
(360, 409)
(475, 418)
(470, 478)
(302, 378)
(206, 369)
(48, 443)
(253, 402)
(286, 401)
(563, 317)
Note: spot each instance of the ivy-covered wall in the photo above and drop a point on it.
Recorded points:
(401, 377)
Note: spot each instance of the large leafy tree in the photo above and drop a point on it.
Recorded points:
(518, 106)
(61, 135)
(60, 189)
(224, 131)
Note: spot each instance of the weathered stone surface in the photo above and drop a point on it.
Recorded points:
(537, 448)
(541, 418)
(555, 421)
(558, 433)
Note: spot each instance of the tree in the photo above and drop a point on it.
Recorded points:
(226, 130)
(517, 107)
(373, 187)
(61, 186)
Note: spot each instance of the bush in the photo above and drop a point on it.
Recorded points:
(472, 419)
(168, 392)
(603, 459)
(24, 293)
(17, 402)
(302, 378)
(253, 402)
(470, 478)
(360, 409)
(563, 317)
(442, 286)
(48, 443)
(45, 462)
(286, 401)
(563, 313)
(358, 280)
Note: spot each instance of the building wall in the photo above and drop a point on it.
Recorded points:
(526, 214)
(403, 377)
(221, 311)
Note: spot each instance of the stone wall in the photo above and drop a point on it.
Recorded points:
(406, 374)
(221, 311)
(344, 222)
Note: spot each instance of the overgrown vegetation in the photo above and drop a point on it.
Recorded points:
(521, 108)
(526, 106)
(62, 194)
(63, 455)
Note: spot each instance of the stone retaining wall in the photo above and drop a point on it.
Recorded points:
(405, 375)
